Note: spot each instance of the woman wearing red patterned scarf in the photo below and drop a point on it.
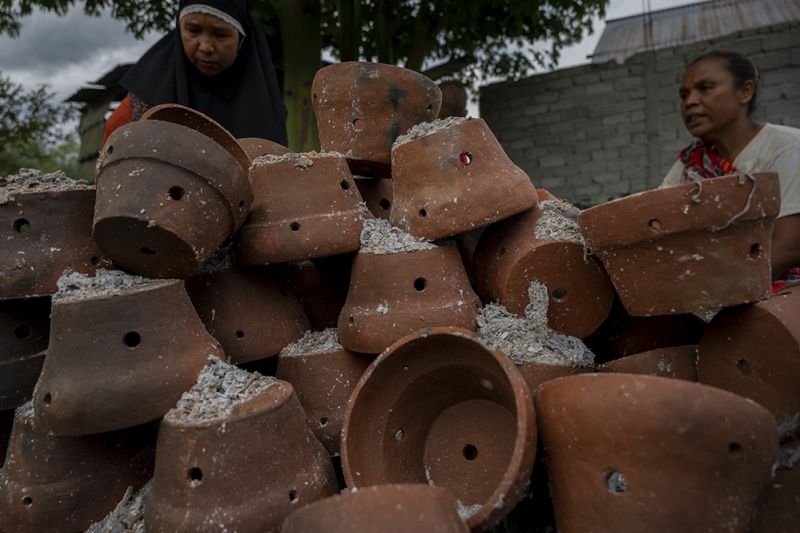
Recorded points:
(718, 95)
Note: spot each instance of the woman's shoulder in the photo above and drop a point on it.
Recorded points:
(781, 136)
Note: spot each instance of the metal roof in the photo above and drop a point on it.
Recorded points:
(107, 83)
(624, 37)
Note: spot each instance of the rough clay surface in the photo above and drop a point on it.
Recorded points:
(77, 286)
(127, 516)
(314, 342)
(528, 339)
(380, 237)
(31, 180)
(423, 129)
(220, 387)
(558, 222)
(303, 160)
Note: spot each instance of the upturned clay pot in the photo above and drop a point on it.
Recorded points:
(535, 374)
(255, 147)
(517, 251)
(24, 329)
(244, 471)
(411, 508)
(439, 407)
(641, 453)
(362, 108)
(754, 351)
(392, 295)
(64, 484)
(321, 289)
(46, 233)
(377, 194)
(304, 207)
(171, 188)
(323, 382)
(678, 362)
(690, 248)
(455, 180)
(250, 312)
(132, 370)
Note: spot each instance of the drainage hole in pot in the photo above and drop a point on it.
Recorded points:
(501, 252)
(400, 435)
(420, 284)
(110, 149)
(465, 158)
(22, 332)
(344, 185)
(21, 225)
(616, 482)
(385, 204)
(239, 334)
(351, 320)
(470, 452)
(358, 125)
(195, 476)
(755, 251)
(294, 226)
(559, 294)
(323, 422)
(47, 398)
(292, 496)
(241, 203)
(176, 192)
(27, 501)
(423, 213)
(94, 260)
(743, 365)
(147, 251)
(734, 448)
(132, 339)
(430, 107)
(654, 224)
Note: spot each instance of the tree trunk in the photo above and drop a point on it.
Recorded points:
(349, 29)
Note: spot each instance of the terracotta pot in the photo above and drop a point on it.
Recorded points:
(250, 313)
(244, 471)
(642, 453)
(171, 188)
(48, 232)
(322, 291)
(438, 407)
(323, 382)
(24, 328)
(687, 248)
(678, 362)
(510, 256)
(377, 194)
(132, 370)
(382, 509)
(456, 180)
(536, 374)
(362, 108)
(754, 351)
(301, 210)
(392, 295)
(255, 147)
(64, 484)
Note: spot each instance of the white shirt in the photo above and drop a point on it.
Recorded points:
(773, 149)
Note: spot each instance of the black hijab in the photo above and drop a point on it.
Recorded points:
(245, 98)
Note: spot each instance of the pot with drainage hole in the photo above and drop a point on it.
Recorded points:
(677, 362)
(24, 329)
(642, 453)
(690, 248)
(171, 188)
(377, 194)
(439, 407)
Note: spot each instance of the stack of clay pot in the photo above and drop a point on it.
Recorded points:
(397, 333)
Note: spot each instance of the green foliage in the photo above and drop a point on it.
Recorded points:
(47, 158)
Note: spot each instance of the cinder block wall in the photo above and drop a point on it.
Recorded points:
(600, 131)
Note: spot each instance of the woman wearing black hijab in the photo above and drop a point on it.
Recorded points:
(216, 61)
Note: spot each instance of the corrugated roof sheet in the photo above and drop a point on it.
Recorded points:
(665, 28)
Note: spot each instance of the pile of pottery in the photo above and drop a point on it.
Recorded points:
(225, 335)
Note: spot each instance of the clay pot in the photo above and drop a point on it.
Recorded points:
(678, 362)
(392, 295)
(381, 509)
(323, 382)
(377, 194)
(250, 313)
(321, 290)
(456, 180)
(536, 374)
(171, 188)
(690, 248)
(362, 108)
(754, 351)
(64, 484)
(255, 147)
(509, 257)
(245, 471)
(132, 370)
(24, 328)
(47, 233)
(301, 210)
(439, 407)
(777, 507)
(642, 453)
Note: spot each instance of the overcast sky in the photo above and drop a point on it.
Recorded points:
(70, 51)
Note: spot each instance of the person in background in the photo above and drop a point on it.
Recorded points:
(217, 62)
(718, 97)
(454, 99)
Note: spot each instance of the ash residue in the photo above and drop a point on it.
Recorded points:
(222, 260)
(219, 388)
(314, 342)
(528, 339)
(31, 180)
(380, 237)
(77, 286)
(127, 516)
(423, 129)
(25, 410)
(304, 160)
(558, 222)
(466, 512)
(789, 427)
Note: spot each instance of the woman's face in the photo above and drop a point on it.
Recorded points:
(710, 100)
(210, 43)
